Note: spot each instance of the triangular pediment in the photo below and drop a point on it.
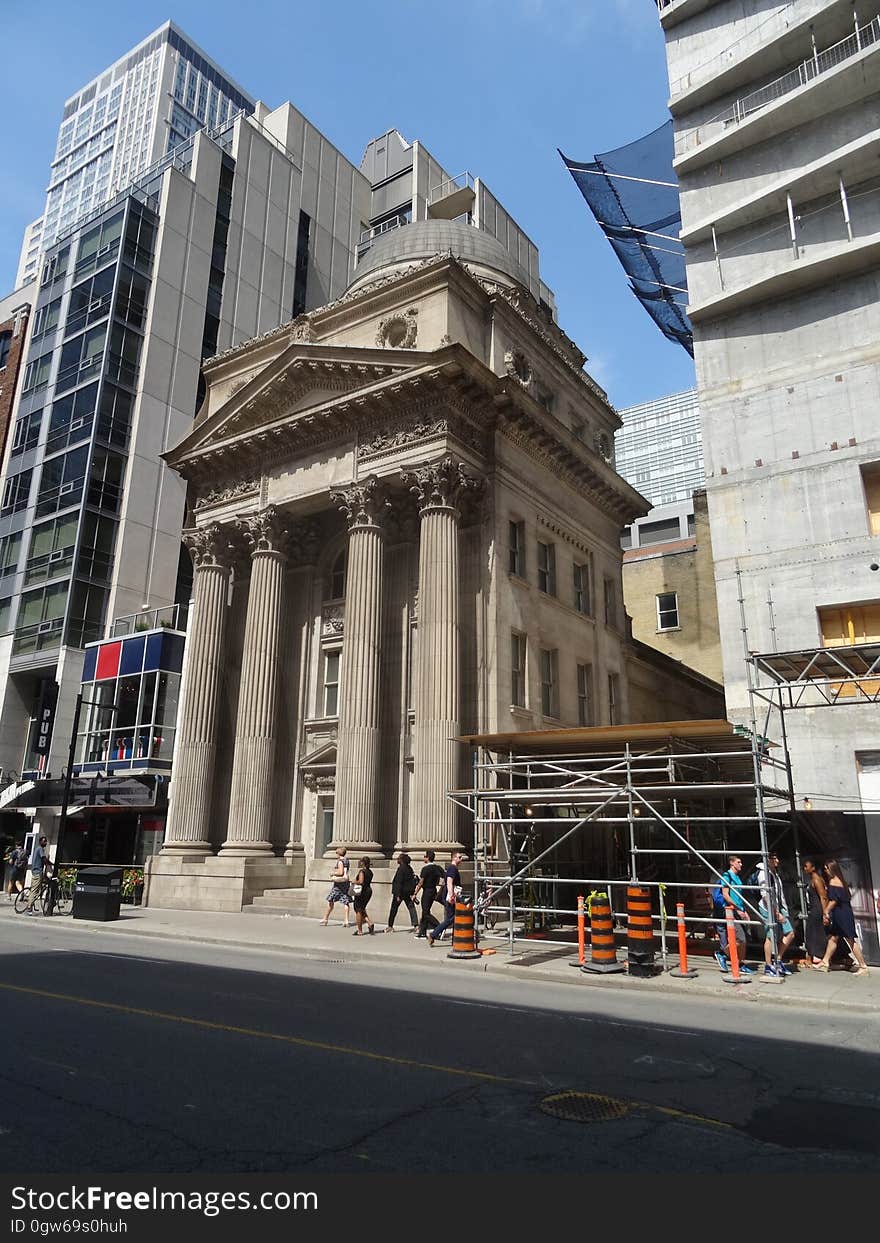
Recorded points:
(303, 378)
(322, 757)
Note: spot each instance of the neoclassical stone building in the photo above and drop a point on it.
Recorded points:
(406, 528)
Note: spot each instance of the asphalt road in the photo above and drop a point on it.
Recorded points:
(121, 1057)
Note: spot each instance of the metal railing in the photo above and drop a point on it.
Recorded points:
(807, 71)
(166, 617)
(464, 181)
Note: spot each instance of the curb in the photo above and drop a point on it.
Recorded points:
(551, 976)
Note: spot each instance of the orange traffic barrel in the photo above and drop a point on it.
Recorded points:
(603, 955)
(464, 937)
(639, 931)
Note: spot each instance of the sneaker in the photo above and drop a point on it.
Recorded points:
(770, 971)
(722, 961)
(781, 969)
(744, 970)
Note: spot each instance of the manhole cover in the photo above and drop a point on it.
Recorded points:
(584, 1107)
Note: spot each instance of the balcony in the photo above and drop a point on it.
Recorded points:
(453, 197)
(166, 617)
(745, 107)
(369, 235)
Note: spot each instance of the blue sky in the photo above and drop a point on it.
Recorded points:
(493, 86)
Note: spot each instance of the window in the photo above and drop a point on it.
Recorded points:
(87, 606)
(46, 318)
(517, 669)
(301, 268)
(106, 480)
(659, 532)
(51, 549)
(72, 418)
(27, 433)
(337, 578)
(6, 342)
(16, 492)
(613, 699)
(55, 266)
(547, 568)
(549, 683)
(331, 684)
(99, 244)
(81, 357)
(517, 548)
(667, 610)
(610, 595)
(6, 614)
(848, 624)
(37, 373)
(90, 301)
(583, 587)
(585, 694)
(325, 823)
(9, 550)
(871, 483)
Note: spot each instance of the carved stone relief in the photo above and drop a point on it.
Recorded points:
(400, 330)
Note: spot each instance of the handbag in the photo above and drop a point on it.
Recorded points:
(358, 889)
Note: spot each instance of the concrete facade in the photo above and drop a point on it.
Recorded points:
(389, 505)
(776, 120)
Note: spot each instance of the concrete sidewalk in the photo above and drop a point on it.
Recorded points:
(305, 938)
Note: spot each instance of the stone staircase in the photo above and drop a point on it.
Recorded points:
(279, 902)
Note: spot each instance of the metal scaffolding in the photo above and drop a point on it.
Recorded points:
(558, 813)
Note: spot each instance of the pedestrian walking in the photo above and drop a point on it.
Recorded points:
(774, 912)
(17, 860)
(727, 893)
(363, 891)
(430, 879)
(453, 890)
(839, 919)
(340, 881)
(815, 934)
(403, 886)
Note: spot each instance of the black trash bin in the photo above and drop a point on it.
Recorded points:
(98, 893)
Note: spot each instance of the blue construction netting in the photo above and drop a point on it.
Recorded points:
(633, 193)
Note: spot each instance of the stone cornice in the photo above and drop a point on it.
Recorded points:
(524, 424)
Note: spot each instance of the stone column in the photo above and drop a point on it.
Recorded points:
(187, 832)
(357, 747)
(440, 489)
(248, 830)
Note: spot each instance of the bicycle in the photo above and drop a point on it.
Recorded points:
(53, 897)
(23, 900)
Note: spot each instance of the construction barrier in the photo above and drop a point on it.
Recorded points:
(640, 943)
(464, 937)
(603, 955)
(736, 976)
(682, 970)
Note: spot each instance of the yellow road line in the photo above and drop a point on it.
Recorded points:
(249, 1031)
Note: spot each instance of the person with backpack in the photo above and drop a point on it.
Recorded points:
(773, 910)
(727, 893)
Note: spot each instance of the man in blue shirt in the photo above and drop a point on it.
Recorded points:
(730, 885)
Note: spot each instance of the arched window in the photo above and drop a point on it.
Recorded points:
(337, 577)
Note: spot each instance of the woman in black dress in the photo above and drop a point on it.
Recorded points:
(815, 936)
(839, 919)
(403, 887)
(363, 891)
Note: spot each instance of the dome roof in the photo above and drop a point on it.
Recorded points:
(424, 238)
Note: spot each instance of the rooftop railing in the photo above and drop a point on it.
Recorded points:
(464, 181)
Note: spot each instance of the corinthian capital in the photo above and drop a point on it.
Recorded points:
(364, 504)
(212, 545)
(442, 485)
(267, 531)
